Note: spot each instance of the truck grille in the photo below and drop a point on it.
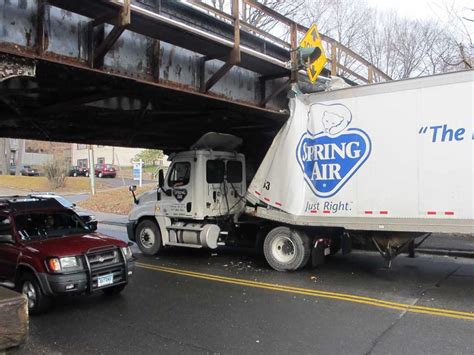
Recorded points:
(105, 262)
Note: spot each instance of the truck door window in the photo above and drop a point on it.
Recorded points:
(234, 171)
(180, 174)
(215, 171)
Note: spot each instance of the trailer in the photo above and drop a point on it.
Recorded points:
(380, 165)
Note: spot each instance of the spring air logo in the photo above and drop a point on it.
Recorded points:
(331, 157)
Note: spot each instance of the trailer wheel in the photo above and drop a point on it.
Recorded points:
(148, 237)
(286, 249)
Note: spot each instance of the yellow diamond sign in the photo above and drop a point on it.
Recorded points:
(312, 40)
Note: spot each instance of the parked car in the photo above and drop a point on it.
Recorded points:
(78, 171)
(85, 216)
(25, 170)
(46, 250)
(105, 170)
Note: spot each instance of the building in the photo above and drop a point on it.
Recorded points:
(34, 153)
(119, 156)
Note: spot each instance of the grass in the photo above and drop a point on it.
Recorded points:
(40, 184)
(118, 200)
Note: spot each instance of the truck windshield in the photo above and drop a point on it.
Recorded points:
(46, 225)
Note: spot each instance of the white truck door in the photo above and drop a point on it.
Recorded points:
(235, 183)
(179, 181)
(215, 199)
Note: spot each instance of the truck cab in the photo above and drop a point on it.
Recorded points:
(194, 205)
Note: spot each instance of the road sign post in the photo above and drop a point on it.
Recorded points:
(138, 172)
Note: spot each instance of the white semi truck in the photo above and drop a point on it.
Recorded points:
(376, 165)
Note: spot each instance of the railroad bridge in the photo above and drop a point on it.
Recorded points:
(152, 73)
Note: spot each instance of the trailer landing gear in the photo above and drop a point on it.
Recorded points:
(391, 247)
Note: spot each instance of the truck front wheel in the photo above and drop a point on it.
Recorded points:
(286, 249)
(148, 237)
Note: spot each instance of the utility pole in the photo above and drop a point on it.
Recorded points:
(4, 165)
(91, 168)
(19, 162)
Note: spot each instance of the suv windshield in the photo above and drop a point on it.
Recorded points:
(44, 225)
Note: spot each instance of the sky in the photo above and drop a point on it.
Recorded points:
(421, 9)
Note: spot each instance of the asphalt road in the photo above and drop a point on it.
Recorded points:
(194, 301)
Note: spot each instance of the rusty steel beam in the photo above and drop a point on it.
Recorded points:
(294, 54)
(40, 33)
(275, 92)
(12, 66)
(23, 55)
(106, 45)
(234, 56)
(263, 80)
(77, 101)
(122, 20)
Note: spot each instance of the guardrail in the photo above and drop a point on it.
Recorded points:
(342, 61)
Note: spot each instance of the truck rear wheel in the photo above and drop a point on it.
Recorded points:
(286, 249)
(148, 237)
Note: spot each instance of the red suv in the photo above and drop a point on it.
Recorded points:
(47, 250)
(105, 170)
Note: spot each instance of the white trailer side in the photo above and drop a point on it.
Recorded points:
(395, 156)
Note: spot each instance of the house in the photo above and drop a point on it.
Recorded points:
(119, 156)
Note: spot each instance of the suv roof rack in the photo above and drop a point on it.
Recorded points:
(20, 202)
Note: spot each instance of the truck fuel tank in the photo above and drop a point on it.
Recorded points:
(205, 235)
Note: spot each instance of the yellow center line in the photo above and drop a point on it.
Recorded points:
(315, 293)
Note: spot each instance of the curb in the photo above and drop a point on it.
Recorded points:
(447, 252)
(113, 223)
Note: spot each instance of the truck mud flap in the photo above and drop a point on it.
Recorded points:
(319, 252)
(346, 243)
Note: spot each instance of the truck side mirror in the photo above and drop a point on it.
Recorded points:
(161, 179)
(132, 189)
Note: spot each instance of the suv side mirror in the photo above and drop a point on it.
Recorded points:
(92, 225)
(6, 238)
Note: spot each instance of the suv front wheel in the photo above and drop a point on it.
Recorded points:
(38, 302)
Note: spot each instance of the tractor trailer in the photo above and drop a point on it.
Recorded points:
(380, 165)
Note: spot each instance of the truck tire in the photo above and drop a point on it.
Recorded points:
(38, 302)
(148, 237)
(286, 249)
(100, 175)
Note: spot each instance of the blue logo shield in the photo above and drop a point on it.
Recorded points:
(329, 161)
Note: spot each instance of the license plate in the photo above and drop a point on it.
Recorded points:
(105, 280)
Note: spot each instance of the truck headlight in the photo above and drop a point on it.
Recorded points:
(127, 252)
